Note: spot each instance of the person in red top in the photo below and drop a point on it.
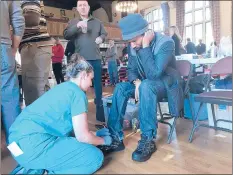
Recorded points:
(57, 56)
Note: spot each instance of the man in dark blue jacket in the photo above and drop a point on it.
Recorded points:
(190, 47)
(152, 76)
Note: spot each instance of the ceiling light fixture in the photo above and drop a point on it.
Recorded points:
(126, 6)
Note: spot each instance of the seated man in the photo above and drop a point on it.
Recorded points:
(152, 76)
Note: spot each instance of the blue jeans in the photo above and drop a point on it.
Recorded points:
(113, 72)
(96, 64)
(149, 94)
(10, 106)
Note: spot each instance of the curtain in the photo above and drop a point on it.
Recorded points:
(215, 19)
(166, 17)
(180, 14)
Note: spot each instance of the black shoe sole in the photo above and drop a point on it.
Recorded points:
(119, 149)
(144, 159)
(108, 150)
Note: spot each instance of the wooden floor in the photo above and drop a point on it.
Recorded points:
(209, 153)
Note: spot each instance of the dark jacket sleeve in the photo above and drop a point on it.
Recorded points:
(70, 48)
(72, 30)
(155, 65)
(67, 49)
(132, 69)
(193, 49)
(103, 33)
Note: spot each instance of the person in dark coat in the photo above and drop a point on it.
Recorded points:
(175, 34)
(152, 75)
(201, 48)
(190, 47)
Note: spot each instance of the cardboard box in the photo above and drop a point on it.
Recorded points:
(221, 112)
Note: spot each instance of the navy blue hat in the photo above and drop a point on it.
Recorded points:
(132, 26)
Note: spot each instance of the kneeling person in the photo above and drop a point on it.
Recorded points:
(42, 130)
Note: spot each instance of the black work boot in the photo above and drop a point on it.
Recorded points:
(117, 145)
(145, 149)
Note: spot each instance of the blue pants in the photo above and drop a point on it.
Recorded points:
(149, 94)
(96, 64)
(58, 155)
(113, 72)
(10, 105)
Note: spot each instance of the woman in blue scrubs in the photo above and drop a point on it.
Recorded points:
(40, 137)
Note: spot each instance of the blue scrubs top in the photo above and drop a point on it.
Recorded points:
(52, 113)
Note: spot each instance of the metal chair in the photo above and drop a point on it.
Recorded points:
(222, 67)
(185, 69)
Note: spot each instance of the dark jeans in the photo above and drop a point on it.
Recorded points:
(149, 94)
(10, 105)
(96, 64)
(113, 72)
(57, 70)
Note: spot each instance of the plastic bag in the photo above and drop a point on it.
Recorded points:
(225, 47)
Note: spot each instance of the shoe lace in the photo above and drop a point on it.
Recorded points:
(144, 145)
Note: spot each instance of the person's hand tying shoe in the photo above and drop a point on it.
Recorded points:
(107, 140)
(103, 132)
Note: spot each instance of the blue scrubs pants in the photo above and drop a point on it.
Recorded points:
(58, 155)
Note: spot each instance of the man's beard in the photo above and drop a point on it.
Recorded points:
(137, 48)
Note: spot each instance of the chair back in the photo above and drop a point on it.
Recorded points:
(185, 69)
(223, 66)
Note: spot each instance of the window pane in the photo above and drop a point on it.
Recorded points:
(198, 16)
(209, 36)
(207, 3)
(149, 17)
(150, 26)
(188, 33)
(156, 26)
(160, 14)
(207, 14)
(198, 4)
(198, 32)
(156, 14)
(188, 6)
(188, 18)
(161, 25)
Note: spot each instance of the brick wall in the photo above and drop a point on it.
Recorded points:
(180, 14)
(166, 17)
(215, 19)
